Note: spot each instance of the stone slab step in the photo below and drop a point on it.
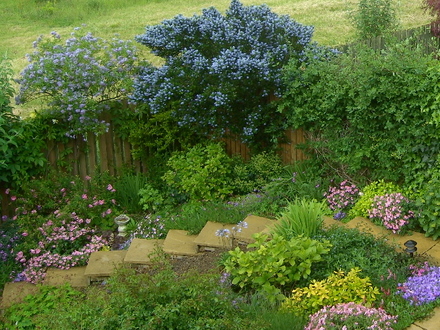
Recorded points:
(102, 264)
(74, 276)
(255, 224)
(207, 239)
(180, 243)
(15, 292)
(140, 251)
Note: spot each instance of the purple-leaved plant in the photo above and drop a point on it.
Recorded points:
(392, 211)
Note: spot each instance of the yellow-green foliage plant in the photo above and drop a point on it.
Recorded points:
(337, 288)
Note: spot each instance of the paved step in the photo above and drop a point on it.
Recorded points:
(75, 276)
(102, 264)
(207, 239)
(141, 251)
(180, 243)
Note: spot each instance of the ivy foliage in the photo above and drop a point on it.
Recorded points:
(363, 110)
(220, 72)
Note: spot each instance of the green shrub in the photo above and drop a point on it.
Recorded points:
(157, 300)
(304, 179)
(274, 265)
(376, 188)
(46, 301)
(21, 141)
(429, 208)
(374, 18)
(300, 218)
(337, 288)
(362, 111)
(202, 172)
(253, 175)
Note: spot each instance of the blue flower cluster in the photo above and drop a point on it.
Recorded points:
(79, 78)
(220, 70)
(422, 289)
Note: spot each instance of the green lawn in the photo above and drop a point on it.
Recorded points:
(22, 21)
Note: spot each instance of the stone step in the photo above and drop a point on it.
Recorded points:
(74, 276)
(102, 264)
(180, 243)
(141, 250)
(207, 240)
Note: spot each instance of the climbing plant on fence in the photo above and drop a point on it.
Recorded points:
(363, 110)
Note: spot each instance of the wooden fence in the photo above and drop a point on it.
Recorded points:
(108, 152)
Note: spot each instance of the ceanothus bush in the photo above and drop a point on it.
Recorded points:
(220, 72)
(78, 78)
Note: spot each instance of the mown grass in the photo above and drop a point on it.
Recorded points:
(24, 20)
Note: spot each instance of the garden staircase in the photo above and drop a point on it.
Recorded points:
(179, 244)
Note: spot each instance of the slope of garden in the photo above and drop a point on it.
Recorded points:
(370, 117)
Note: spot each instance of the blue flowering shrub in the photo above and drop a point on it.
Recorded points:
(221, 71)
(77, 79)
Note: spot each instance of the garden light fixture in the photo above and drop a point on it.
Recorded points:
(410, 247)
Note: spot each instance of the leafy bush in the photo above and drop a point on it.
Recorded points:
(300, 218)
(375, 18)
(274, 265)
(202, 172)
(429, 208)
(220, 72)
(337, 288)
(362, 110)
(365, 203)
(351, 316)
(46, 301)
(6, 89)
(300, 180)
(21, 142)
(253, 175)
(79, 78)
(157, 300)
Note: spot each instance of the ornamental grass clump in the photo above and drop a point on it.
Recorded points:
(342, 198)
(350, 316)
(65, 243)
(301, 217)
(421, 288)
(391, 210)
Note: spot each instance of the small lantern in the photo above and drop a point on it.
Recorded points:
(410, 247)
(121, 221)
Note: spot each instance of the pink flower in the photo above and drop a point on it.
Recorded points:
(24, 234)
(88, 178)
(7, 191)
(13, 198)
(110, 188)
(84, 196)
